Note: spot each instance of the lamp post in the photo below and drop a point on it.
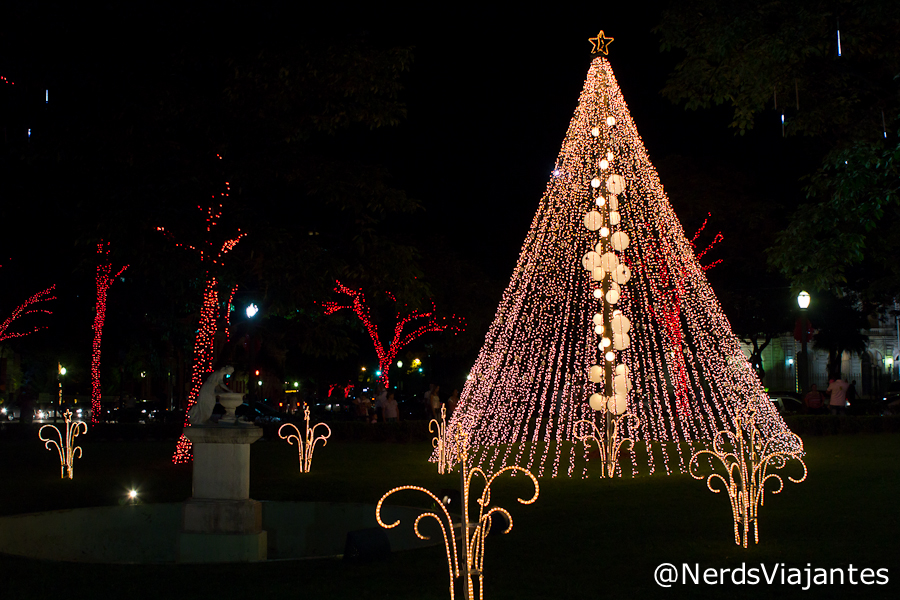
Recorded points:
(60, 371)
(803, 367)
(252, 375)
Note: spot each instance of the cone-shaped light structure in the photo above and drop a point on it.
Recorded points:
(607, 311)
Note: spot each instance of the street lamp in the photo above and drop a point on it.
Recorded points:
(251, 310)
(803, 367)
(60, 371)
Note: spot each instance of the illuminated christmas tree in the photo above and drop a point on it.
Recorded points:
(608, 315)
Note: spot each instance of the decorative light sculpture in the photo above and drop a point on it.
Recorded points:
(400, 340)
(747, 457)
(104, 279)
(307, 443)
(211, 254)
(65, 445)
(606, 281)
(609, 442)
(440, 441)
(473, 535)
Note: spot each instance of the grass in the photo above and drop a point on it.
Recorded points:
(582, 538)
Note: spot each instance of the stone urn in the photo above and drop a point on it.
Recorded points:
(230, 401)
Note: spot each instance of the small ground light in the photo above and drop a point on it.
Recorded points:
(132, 494)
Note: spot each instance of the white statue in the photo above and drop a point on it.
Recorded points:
(214, 384)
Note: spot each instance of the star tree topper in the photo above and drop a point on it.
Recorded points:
(600, 43)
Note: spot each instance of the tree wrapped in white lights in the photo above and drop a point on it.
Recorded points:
(607, 313)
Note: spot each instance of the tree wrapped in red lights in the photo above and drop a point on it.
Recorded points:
(104, 279)
(211, 251)
(608, 313)
(421, 323)
(29, 307)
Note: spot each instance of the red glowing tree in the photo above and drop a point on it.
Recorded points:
(211, 250)
(104, 279)
(718, 238)
(27, 308)
(401, 339)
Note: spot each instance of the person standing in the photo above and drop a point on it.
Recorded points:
(390, 409)
(814, 400)
(837, 391)
(435, 403)
(426, 400)
(452, 401)
(851, 393)
(380, 398)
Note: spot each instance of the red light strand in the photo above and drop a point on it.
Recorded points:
(104, 279)
(211, 254)
(400, 339)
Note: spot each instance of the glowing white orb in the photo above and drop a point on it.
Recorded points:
(619, 241)
(621, 370)
(622, 341)
(604, 164)
(595, 183)
(598, 329)
(621, 274)
(612, 296)
(597, 274)
(609, 156)
(591, 260)
(615, 184)
(610, 356)
(251, 311)
(598, 319)
(596, 373)
(621, 324)
(609, 261)
(604, 231)
(597, 402)
(597, 294)
(593, 220)
(610, 121)
(601, 200)
(613, 217)
(595, 131)
(613, 203)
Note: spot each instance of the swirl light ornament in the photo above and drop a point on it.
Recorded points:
(306, 443)
(747, 457)
(65, 445)
(607, 301)
(609, 442)
(440, 442)
(474, 532)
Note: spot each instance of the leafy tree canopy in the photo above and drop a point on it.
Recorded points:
(759, 56)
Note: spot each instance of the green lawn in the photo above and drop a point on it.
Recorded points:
(582, 538)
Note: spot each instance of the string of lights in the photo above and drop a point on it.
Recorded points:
(211, 254)
(607, 311)
(386, 355)
(25, 309)
(104, 279)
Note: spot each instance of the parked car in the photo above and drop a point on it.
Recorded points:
(787, 403)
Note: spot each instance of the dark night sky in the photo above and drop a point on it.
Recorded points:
(489, 98)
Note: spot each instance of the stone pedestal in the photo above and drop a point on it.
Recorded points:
(220, 523)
